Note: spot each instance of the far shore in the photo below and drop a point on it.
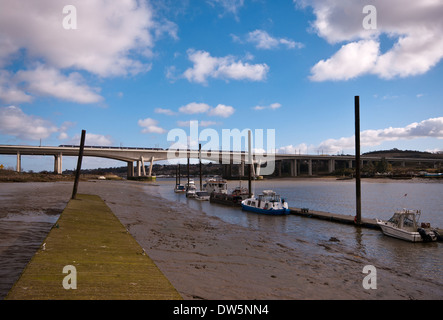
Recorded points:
(13, 176)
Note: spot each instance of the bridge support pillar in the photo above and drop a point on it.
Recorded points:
(331, 165)
(142, 163)
(150, 167)
(350, 164)
(19, 162)
(294, 168)
(139, 168)
(58, 164)
(279, 165)
(310, 167)
(130, 169)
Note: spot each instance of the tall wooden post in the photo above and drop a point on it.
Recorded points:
(250, 164)
(79, 164)
(357, 161)
(200, 164)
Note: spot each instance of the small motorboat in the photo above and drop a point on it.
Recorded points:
(404, 225)
(179, 188)
(267, 203)
(191, 191)
(202, 196)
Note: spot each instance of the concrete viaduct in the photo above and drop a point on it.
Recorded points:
(142, 155)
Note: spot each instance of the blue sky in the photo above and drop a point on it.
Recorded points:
(130, 71)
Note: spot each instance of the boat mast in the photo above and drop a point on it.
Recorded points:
(188, 172)
(249, 164)
(200, 164)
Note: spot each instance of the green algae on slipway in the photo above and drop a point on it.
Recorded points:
(90, 255)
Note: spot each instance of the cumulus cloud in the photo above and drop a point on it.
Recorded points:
(50, 82)
(167, 112)
(272, 106)
(92, 139)
(230, 6)
(14, 122)
(263, 40)
(111, 39)
(106, 36)
(220, 110)
(415, 27)
(430, 128)
(150, 126)
(10, 92)
(206, 66)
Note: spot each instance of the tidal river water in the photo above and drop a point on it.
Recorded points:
(28, 211)
(380, 198)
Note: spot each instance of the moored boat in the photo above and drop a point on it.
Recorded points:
(404, 225)
(202, 196)
(267, 203)
(230, 199)
(179, 188)
(216, 185)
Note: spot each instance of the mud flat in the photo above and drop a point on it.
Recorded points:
(207, 258)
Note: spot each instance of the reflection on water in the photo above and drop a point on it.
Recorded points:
(21, 234)
(379, 200)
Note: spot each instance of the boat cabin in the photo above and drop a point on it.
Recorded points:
(406, 219)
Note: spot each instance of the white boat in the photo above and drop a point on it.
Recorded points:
(202, 196)
(404, 225)
(191, 190)
(179, 188)
(216, 185)
(267, 203)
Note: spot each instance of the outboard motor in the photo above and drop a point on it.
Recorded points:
(427, 235)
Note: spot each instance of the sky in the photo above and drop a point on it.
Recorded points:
(130, 72)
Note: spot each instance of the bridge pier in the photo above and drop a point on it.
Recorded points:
(294, 168)
(150, 167)
(331, 165)
(310, 167)
(58, 163)
(19, 162)
(130, 169)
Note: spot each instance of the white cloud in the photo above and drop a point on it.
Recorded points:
(107, 34)
(14, 122)
(415, 27)
(263, 40)
(352, 60)
(150, 126)
(272, 106)
(194, 108)
(9, 90)
(92, 139)
(206, 66)
(430, 128)
(230, 6)
(167, 112)
(222, 111)
(50, 82)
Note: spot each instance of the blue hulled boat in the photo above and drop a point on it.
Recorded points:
(267, 203)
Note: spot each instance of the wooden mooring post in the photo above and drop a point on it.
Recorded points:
(357, 161)
(79, 164)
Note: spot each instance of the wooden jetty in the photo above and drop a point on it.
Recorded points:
(89, 255)
(335, 217)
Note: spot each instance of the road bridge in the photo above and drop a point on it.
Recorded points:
(140, 156)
